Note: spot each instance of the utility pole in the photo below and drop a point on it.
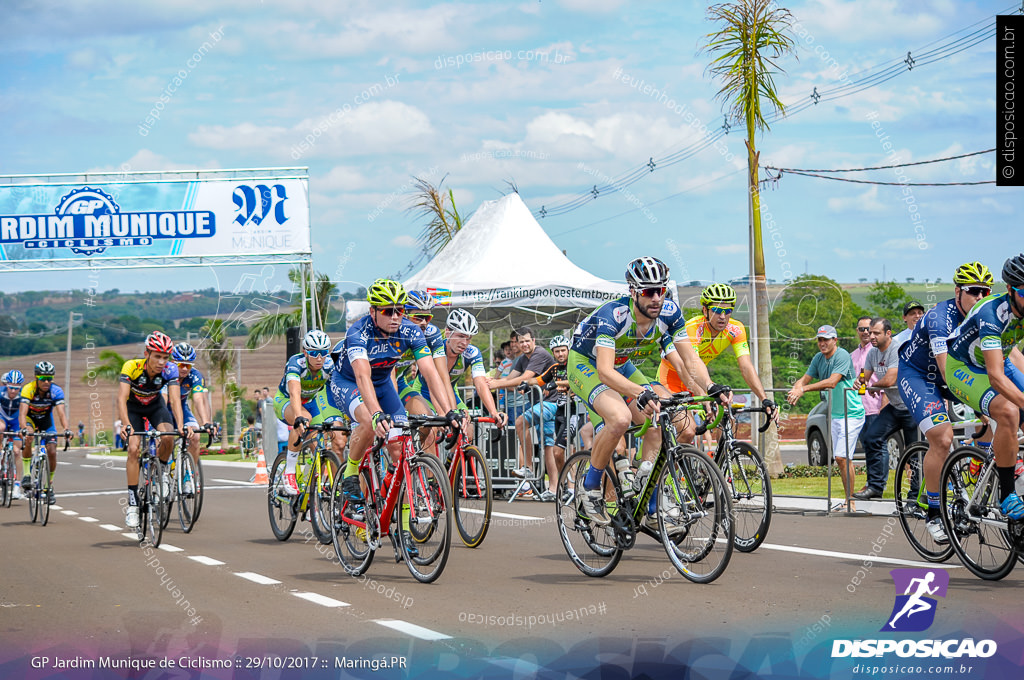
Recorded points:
(238, 402)
(67, 370)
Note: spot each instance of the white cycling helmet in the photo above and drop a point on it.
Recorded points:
(461, 321)
(558, 341)
(316, 340)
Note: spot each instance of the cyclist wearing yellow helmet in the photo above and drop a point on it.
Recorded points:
(361, 384)
(920, 377)
(711, 333)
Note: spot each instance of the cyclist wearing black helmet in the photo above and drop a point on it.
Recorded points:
(40, 399)
(985, 370)
(602, 374)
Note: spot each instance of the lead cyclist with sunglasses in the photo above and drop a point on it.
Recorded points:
(601, 373)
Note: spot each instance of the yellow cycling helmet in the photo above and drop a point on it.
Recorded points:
(386, 293)
(973, 272)
(718, 294)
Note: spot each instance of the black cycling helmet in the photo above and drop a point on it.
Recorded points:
(1013, 271)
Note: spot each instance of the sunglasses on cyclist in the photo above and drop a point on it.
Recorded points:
(651, 292)
(722, 310)
(977, 290)
(44, 378)
(318, 353)
(392, 311)
(184, 367)
(421, 317)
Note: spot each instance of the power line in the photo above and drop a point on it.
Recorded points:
(891, 184)
(882, 167)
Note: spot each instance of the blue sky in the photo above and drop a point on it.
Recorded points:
(547, 95)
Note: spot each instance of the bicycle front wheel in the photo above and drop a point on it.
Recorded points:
(42, 488)
(33, 494)
(591, 547)
(7, 477)
(471, 494)
(280, 507)
(351, 530)
(751, 489)
(970, 514)
(694, 515)
(154, 505)
(912, 504)
(321, 485)
(168, 492)
(425, 527)
(190, 492)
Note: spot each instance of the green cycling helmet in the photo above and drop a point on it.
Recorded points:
(718, 294)
(386, 293)
(973, 272)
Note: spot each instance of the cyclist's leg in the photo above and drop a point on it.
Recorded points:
(135, 420)
(161, 419)
(924, 395)
(415, 404)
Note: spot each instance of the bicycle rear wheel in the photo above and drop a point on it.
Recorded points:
(33, 494)
(190, 492)
(7, 477)
(352, 536)
(591, 546)
(912, 504)
(975, 528)
(168, 492)
(321, 486)
(154, 507)
(751, 489)
(471, 495)
(430, 513)
(694, 515)
(280, 507)
(41, 485)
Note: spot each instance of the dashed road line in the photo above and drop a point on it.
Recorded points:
(203, 559)
(257, 578)
(170, 548)
(854, 556)
(88, 519)
(69, 513)
(412, 629)
(321, 599)
(110, 527)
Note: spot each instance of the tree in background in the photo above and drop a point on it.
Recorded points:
(443, 219)
(271, 326)
(220, 357)
(887, 298)
(753, 36)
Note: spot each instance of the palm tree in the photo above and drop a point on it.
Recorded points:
(273, 325)
(109, 369)
(753, 35)
(443, 219)
(220, 356)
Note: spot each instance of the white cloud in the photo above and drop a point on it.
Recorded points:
(853, 21)
(592, 6)
(731, 249)
(404, 241)
(865, 202)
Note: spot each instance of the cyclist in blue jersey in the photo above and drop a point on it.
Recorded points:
(985, 370)
(305, 375)
(361, 385)
(192, 384)
(40, 400)
(419, 310)
(920, 377)
(600, 371)
(10, 404)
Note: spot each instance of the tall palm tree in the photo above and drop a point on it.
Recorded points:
(273, 325)
(220, 356)
(443, 218)
(109, 369)
(752, 36)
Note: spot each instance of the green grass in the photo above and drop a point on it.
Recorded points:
(818, 486)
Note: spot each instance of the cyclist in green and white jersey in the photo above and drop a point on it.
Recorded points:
(985, 370)
(602, 374)
(418, 309)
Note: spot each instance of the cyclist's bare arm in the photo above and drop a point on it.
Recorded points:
(438, 394)
(997, 377)
(750, 376)
(694, 367)
(480, 382)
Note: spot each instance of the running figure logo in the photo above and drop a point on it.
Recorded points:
(914, 609)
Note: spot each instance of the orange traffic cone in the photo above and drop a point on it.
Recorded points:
(261, 469)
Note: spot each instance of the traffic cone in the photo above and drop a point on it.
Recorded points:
(261, 469)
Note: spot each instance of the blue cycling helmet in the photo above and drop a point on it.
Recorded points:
(419, 301)
(14, 377)
(183, 353)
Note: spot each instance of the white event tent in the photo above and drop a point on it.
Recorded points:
(502, 258)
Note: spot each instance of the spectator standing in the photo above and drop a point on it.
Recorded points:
(117, 435)
(912, 313)
(872, 400)
(831, 370)
(881, 363)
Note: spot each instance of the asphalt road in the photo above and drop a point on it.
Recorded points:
(230, 593)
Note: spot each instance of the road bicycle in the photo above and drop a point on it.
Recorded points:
(693, 508)
(469, 477)
(186, 487)
(39, 496)
(152, 496)
(317, 470)
(8, 468)
(410, 504)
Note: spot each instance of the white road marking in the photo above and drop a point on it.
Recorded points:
(321, 600)
(124, 491)
(132, 536)
(170, 548)
(208, 561)
(859, 558)
(505, 514)
(110, 527)
(257, 578)
(412, 629)
(63, 462)
(56, 507)
(69, 513)
(88, 519)
(235, 481)
(89, 466)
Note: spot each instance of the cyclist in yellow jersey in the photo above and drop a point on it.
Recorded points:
(711, 333)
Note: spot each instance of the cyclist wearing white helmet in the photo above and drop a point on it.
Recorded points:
(602, 374)
(460, 357)
(305, 374)
(10, 404)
